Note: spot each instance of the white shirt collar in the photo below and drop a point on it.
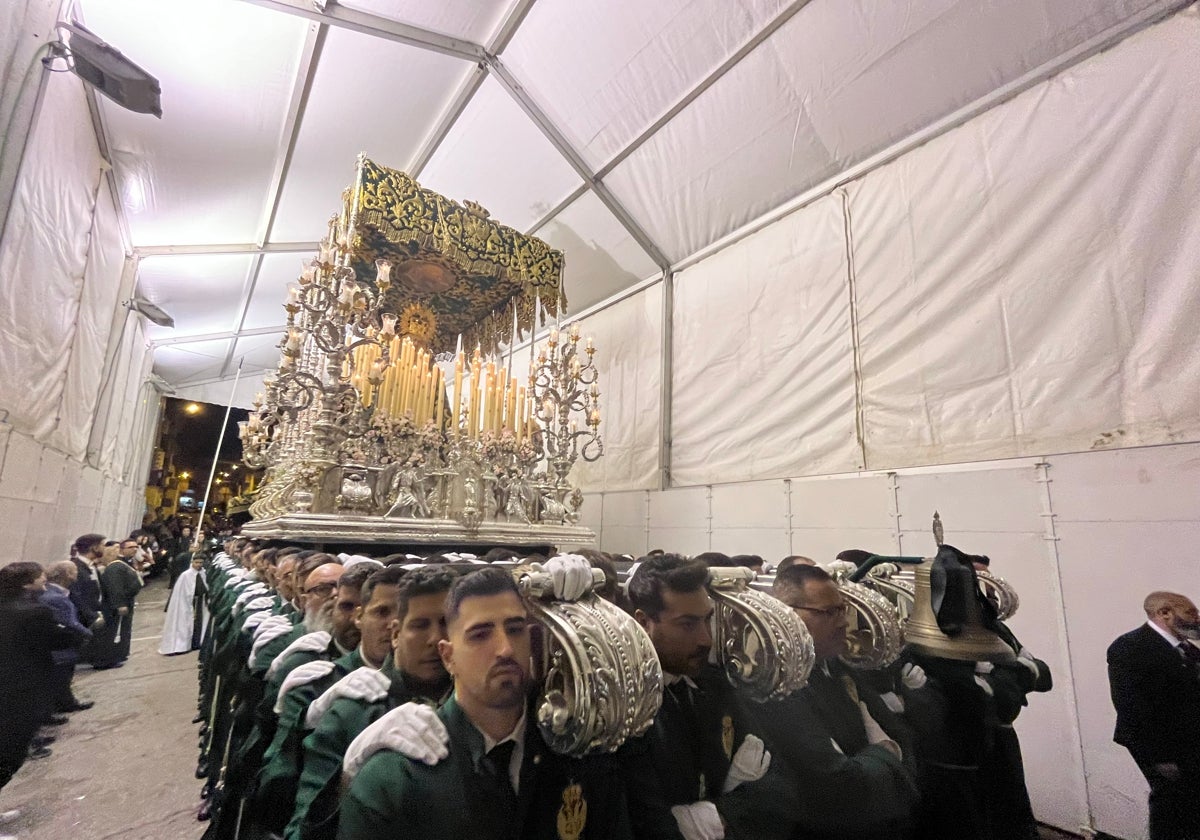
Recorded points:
(672, 679)
(1171, 640)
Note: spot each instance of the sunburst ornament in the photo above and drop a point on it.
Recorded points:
(419, 323)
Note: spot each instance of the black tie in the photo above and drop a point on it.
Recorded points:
(1189, 652)
(500, 757)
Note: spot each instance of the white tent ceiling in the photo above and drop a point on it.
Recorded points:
(632, 135)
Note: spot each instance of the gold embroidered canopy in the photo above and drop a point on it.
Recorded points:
(454, 270)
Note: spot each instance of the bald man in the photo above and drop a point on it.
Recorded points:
(1154, 675)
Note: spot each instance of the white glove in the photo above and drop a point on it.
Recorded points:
(893, 701)
(236, 576)
(271, 621)
(262, 602)
(750, 763)
(984, 667)
(309, 642)
(699, 821)
(250, 592)
(256, 618)
(875, 733)
(987, 688)
(266, 633)
(413, 730)
(572, 576)
(1024, 657)
(302, 675)
(913, 676)
(364, 683)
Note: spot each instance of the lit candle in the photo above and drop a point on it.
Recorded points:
(575, 331)
(293, 296)
(547, 409)
(594, 419)
(553, 336)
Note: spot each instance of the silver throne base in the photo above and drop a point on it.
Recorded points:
(340, 528)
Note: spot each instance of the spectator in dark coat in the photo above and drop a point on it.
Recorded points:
(85, 591)
(28, 636)
(59, 578)
(120, 585)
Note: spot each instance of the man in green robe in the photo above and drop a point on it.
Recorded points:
(497, 779)
(412, 672)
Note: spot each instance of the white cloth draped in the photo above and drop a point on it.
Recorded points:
(181, 616)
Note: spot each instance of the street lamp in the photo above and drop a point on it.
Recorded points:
(192, 408)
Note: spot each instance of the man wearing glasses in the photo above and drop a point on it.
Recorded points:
(836, 737)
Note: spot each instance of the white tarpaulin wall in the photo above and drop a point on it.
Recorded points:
(628, 339)
(79, 416)
(1023, 284)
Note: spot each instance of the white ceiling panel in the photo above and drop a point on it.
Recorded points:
(369, 95)
(604, 72)
(726, 159)
(257, 352)
(201, 173)
(601, 257)
(178, 363)
(278, 271)
(202, 293)
(496, 156)
(472, 20)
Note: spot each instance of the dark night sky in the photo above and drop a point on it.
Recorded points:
(196, 435)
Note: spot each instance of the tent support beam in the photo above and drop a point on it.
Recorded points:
(458, 103)
(571, 198)
(218, 336)
(380, 27)
(306, 72)
(231, 249)
(784, 15)
(551, 133)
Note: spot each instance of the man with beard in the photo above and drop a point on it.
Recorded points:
(366, 604)
(497, 779)
(413, 672)
(1154, 675)
(703, 772)
(847, 756)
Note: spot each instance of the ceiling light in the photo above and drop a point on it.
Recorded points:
(111, 73)
(151, 311)
(192, 408)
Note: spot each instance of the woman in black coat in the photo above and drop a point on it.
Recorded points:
(28, 634)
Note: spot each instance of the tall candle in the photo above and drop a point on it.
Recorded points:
(441, 399)
(456, 404)
(511, 419)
